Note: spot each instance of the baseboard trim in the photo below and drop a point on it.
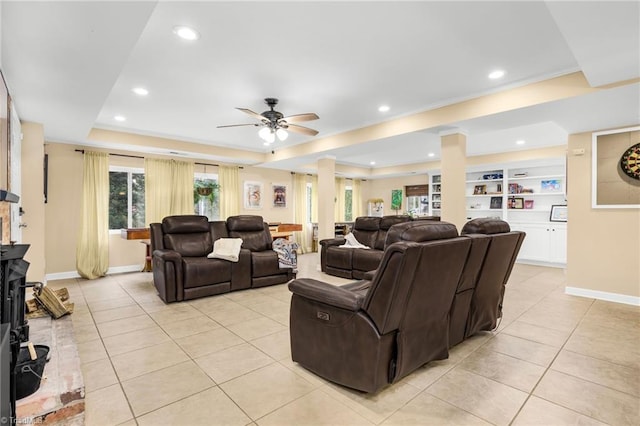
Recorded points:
(603, 295)
(74, 274)
(540, 263)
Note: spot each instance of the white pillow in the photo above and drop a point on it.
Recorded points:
(226, 248)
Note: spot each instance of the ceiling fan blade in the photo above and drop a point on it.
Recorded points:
(237, 125)
(301, 129)
(300, 117)
(254, 114)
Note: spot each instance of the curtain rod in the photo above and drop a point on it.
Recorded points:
(137, 156)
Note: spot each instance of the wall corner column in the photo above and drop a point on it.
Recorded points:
(453, 162)
(326, 197)
(32, 199)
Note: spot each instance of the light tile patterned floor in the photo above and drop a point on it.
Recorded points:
(555, 359)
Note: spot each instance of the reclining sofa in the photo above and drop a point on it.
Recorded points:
(370, 231)
(182, 270)
(431, 285)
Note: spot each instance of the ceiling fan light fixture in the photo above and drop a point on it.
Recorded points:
(267, 134)
(264, 133)
(282, 134)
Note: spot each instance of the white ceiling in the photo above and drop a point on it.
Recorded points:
(72, 65)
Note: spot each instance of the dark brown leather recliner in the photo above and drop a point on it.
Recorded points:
(355, 262)
(485, 306)
(366, 335)
(265, 268)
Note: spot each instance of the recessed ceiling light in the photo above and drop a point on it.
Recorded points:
(186, 33)
(140, 91)
(494, 75)
(383, 108)
(431, 154)
(120, 118)
(373, 163)
(520, 142)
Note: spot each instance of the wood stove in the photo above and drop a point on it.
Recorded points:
(13, 272)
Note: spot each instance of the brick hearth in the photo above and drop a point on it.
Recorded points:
(60, 398)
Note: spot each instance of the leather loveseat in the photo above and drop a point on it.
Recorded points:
(370, 231)
(182, 270)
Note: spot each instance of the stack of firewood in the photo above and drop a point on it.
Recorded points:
(48, 302)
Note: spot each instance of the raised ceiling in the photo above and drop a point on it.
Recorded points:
(71, 66)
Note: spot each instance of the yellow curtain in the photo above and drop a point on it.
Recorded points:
(356, 199)
(300, 212)
(168, 188)
(229, 180)
(314, 199)
(182, 188)
(340, 190)
(92, 252)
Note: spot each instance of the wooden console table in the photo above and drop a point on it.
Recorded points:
(140, 234)
(284, 230)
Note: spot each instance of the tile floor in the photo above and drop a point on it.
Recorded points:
(555, 360)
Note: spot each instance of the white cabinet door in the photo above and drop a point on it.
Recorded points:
(534, 246)
(543, 243)
(558, 244)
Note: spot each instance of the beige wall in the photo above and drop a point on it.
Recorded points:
(32, 199)
(268, 178)
(603, 245)
(381, 188)
(62, 211)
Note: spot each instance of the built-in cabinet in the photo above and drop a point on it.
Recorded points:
(522, 194)
(485, 194)
(546, 243)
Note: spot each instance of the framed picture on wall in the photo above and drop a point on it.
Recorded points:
(252, 195)
(615, 170)
(279, 195)
(396, 199)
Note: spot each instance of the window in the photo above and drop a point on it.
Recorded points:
(206, 195)
(126, 198)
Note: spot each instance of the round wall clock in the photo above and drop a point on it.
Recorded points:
(630, 162)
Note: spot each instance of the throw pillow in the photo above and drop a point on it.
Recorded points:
(226, 248)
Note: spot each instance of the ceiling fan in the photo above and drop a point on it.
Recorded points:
(274, 123)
